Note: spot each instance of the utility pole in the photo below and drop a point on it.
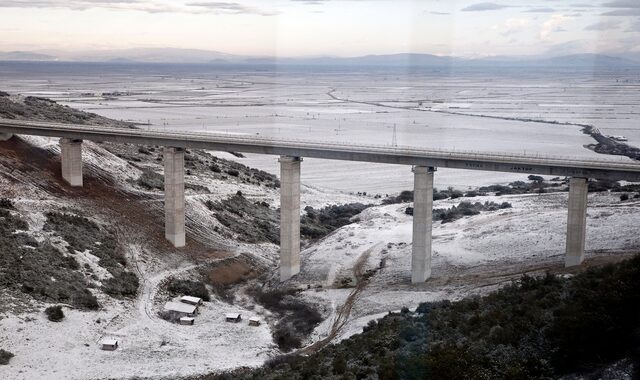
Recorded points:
(394, 139)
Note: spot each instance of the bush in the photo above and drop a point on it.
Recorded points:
(624, 197)
(319, 223)
(6, 204)
(54, 313)
(233, 172)
(188, 288)
(151, 180)
(297, 319)
(5, 357)
(122, 284)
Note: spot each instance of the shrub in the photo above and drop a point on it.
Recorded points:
(6, 204)
(150, 180)
(189, 288)
(123, 284)
(624, 197)
(233, 172)
(54, 313)
(297, 319)
(5, 357)
(535, 178)
(318, 223)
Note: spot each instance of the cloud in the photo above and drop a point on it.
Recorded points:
(623, 8)
(513, 26)
(480, 7)
(553, 25)
(540, 10)
(229, 7)
(150, 6)
(603, 25)
(622, 4)
(440, 13)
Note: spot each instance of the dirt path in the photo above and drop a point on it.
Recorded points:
(344, 312)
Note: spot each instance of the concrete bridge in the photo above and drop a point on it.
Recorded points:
(423, 161)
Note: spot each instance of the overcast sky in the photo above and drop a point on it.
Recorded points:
(325, 27)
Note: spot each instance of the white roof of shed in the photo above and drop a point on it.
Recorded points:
(180, 307)
(255, 319)
(232, 315)
(191, 299)
(109, 342)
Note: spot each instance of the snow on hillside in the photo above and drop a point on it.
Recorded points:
(470, 256)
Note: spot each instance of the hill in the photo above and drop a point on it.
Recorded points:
(535, 328)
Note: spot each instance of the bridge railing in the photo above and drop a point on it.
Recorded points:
(250, 139)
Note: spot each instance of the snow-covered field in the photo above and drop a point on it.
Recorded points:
(475, 110)
(470, 256)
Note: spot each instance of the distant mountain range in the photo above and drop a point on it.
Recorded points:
(195, 56)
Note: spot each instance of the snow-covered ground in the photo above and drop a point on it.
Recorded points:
(472, 255)
(486, 249)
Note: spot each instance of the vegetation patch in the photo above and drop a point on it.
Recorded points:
(36, 108)
(54, 313)
(535, 328)
(83, 234)
(256, 222)
(122, 284)
(297, 319)
(252, 222)
(150, 180)
(188, 288)
(5, 357)
(40, 270)
(319, 223)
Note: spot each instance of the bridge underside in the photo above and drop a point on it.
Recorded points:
(71, 151)
(71, 159)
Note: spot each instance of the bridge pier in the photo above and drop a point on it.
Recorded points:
(289, 216)
(174, 209)
(576, 221)
(422, 223)
(5, 136)
(71, 159)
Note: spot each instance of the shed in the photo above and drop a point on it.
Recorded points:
(187, 321)
(254, 321)
(180, 309)
(109, 344)
(191, 300)
(233, 317)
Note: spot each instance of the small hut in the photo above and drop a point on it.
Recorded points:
(254, 321)
(233, 317)
(109, 344)
(179, 309)
(187, 321)
(197, 301)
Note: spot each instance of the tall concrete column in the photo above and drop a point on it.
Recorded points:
(174, 218)
(71, 159)
(5, 136)
(289, 217)
(422, 223)
(576, 222)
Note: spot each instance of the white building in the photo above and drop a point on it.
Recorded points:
(187, 321)
(191, 300)
(180, 309)
(109, 344)
(233, 317)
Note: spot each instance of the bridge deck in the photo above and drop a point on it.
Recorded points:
(514, 163)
